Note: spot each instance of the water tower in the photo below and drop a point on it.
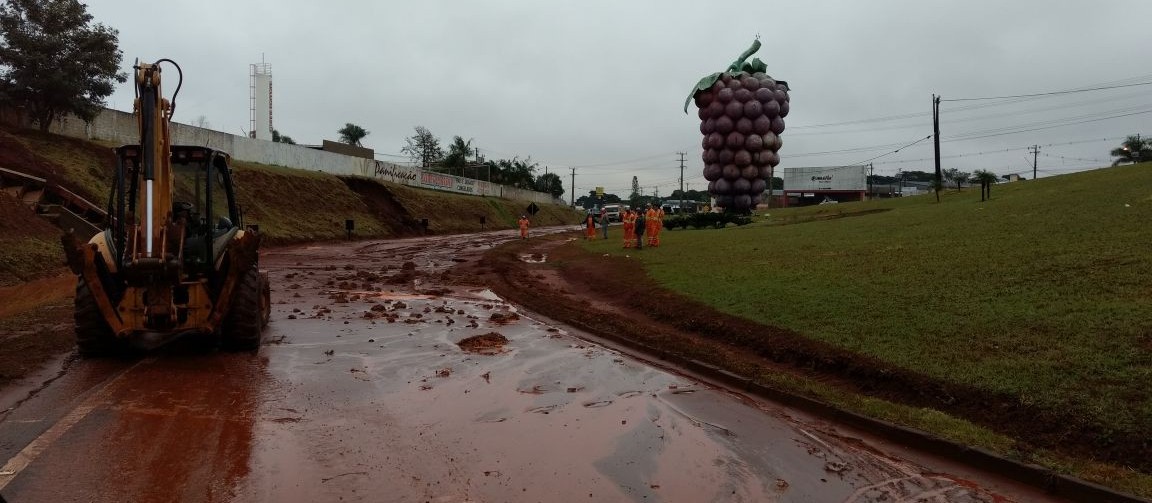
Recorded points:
(260, 100)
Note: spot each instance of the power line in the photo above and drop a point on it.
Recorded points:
(892, 152)
(1060, 120)
(982, 117)
(1001, 151)
(1053, 93)
(617, 163)
(1081, 159)
(920, 115)
(1062, 124)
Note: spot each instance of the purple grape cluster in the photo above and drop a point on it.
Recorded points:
(741, 117)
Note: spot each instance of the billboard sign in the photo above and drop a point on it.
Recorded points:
(838, 178)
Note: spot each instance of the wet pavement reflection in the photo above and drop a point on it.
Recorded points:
(383, 379)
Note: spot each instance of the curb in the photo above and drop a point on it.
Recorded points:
(1049, 481)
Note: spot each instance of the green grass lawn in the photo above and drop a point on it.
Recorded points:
(1043, 293)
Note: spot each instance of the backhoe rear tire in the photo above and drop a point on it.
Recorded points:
(93, 335)
(242, 327)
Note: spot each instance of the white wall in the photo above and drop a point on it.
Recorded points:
(120, 127)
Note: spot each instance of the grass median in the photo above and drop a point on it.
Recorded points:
(1040, 294)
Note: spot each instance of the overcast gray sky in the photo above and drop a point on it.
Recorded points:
(599, 85)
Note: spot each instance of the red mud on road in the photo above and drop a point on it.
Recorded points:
(368, 389)
(394, 406)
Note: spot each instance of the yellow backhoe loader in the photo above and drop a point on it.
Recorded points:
(174, 258)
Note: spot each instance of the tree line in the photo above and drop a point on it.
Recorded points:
(461, 158)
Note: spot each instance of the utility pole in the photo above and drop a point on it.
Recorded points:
(1035, 149)
(682, 154)
(869, 181)
(573, 187)
(936, 140)
(771, 183)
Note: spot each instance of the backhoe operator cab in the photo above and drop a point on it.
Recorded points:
(205, 217)
(174, 258)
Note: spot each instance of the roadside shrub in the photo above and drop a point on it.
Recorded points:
(714, 220)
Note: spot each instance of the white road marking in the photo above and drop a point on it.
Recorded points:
(34, 449)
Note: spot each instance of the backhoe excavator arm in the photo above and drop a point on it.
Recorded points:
(153, 114)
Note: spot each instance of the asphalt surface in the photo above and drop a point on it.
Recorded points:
(362, 392)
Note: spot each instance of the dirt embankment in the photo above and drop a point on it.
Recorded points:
(613, 296)
(289, 205)
(29, 245)
(80, 166)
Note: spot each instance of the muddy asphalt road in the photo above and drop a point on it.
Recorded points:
(363, 392)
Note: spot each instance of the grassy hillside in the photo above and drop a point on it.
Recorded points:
(294, 205)
(452, 213)
(290, 205)
(29, 246)
(83, 167)
(1041, 294)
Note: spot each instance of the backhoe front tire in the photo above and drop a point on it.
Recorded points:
(93, 335)
(242, 327)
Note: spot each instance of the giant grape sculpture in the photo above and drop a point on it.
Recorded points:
(741, 113)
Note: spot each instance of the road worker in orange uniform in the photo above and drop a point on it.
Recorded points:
(650, 220)
(659, 226)
(590, 227)
(523, 226)
(629, 220)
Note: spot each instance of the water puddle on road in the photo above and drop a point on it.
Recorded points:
(453, 396)
(534, 258)
(484, 294)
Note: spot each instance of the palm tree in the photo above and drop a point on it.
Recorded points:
(1133, 150)
(352, 134)
(956, 176)
(458, 153)
(985, 178)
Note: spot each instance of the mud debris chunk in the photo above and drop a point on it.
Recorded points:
(835, 467)
(444, 372)
(378, 308)
(408, 266)
(503, 318)
(490, 343)
(404, 276)
(367, 276)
